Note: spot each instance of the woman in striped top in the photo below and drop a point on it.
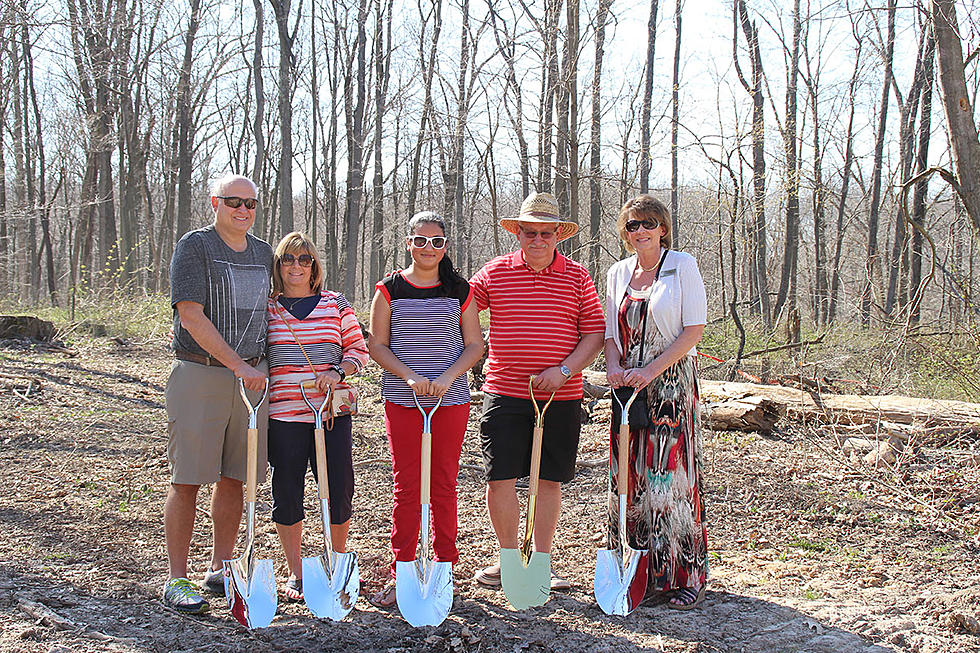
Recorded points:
(313, 334)
(425, 333)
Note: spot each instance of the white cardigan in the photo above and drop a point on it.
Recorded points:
(677, 298)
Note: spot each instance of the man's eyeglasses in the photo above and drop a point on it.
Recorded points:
(305, 260)
(531, 235)
(437, 242)
(233, 202)
(634, 225)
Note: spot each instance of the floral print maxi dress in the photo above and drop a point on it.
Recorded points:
(664, 513)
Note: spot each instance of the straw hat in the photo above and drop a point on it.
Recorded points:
(540, 208)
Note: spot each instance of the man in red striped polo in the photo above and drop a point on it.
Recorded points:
(545, 321)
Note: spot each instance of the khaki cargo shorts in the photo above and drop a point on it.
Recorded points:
(207, 423)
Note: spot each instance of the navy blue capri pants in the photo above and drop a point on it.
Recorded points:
(291, 450)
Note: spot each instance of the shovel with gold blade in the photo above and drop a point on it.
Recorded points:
(525, 574)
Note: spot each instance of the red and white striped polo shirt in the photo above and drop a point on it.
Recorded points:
(536, 320)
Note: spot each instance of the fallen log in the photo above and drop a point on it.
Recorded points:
(937, 415)
(754, 407)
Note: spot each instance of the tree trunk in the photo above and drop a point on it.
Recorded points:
(428, 69)
(282, 9)
(845, 182)
(674, 116)
(355, 148)
(185, 125)
(919, 192)
(595, 158)
(756, 229)
(506, 47)
(382, 63)
(787, 277)
(647, 99)
(258, 126)
(872, 251)
(956, 102)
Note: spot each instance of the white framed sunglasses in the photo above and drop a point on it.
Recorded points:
(437, 242)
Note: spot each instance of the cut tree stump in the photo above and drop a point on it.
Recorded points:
(20, 327)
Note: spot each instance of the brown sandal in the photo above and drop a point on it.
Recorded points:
(385, 597)
(686, 598)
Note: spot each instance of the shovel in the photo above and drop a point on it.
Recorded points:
(423, 587)
(249, 583)
(331, 581)
(526, 575)
(618, 586)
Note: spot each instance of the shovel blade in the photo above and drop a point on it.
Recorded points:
(620, 588)
(331, 596)
(424, 591)
(525, 586)
(251, 599)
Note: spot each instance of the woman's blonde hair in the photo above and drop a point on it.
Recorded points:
(296, 243)
(644, 207)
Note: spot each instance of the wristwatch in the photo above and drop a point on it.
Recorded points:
(564, 370)
(339, 370)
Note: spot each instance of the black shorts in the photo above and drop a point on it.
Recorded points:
(506, 431)
(291, 450)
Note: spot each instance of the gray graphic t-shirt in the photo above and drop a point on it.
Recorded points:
(232, 286)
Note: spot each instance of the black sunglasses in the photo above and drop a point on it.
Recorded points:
(233, 202)
(438, 242)
(305, 260)
(634, 225)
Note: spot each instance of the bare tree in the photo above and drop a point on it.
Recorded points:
(647, 98)
(787, 278)
(355, 149)
(756, 228)
(595, 158)
(675, 110)
(956, 102)
(872, 252)
(287, 37)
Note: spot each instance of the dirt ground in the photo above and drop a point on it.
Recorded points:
(809, 551)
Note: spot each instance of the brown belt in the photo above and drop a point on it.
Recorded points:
(208, 360)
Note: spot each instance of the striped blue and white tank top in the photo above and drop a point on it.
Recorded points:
(426, 335)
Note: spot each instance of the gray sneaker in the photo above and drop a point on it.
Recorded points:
(214, 582)
(183, 596)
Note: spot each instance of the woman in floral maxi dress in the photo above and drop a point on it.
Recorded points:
(655, 315)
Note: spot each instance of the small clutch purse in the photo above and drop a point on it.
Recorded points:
(344, 402)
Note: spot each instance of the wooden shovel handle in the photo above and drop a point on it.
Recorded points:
(535, 460)
(251, 462)
(323, 489)
(426, 470)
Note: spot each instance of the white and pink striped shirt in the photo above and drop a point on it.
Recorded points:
(330, 335)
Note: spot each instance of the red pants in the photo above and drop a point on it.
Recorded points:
(404, 428)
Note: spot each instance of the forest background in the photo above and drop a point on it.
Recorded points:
(786, 137)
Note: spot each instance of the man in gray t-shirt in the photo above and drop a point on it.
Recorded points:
(219, 288)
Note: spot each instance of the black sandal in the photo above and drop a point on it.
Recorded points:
(687, 598)
(294, 590)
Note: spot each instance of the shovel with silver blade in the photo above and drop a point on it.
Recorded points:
(621, 575)
(249, 583)
(331, 581)
(524, 574)
(423, 587)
